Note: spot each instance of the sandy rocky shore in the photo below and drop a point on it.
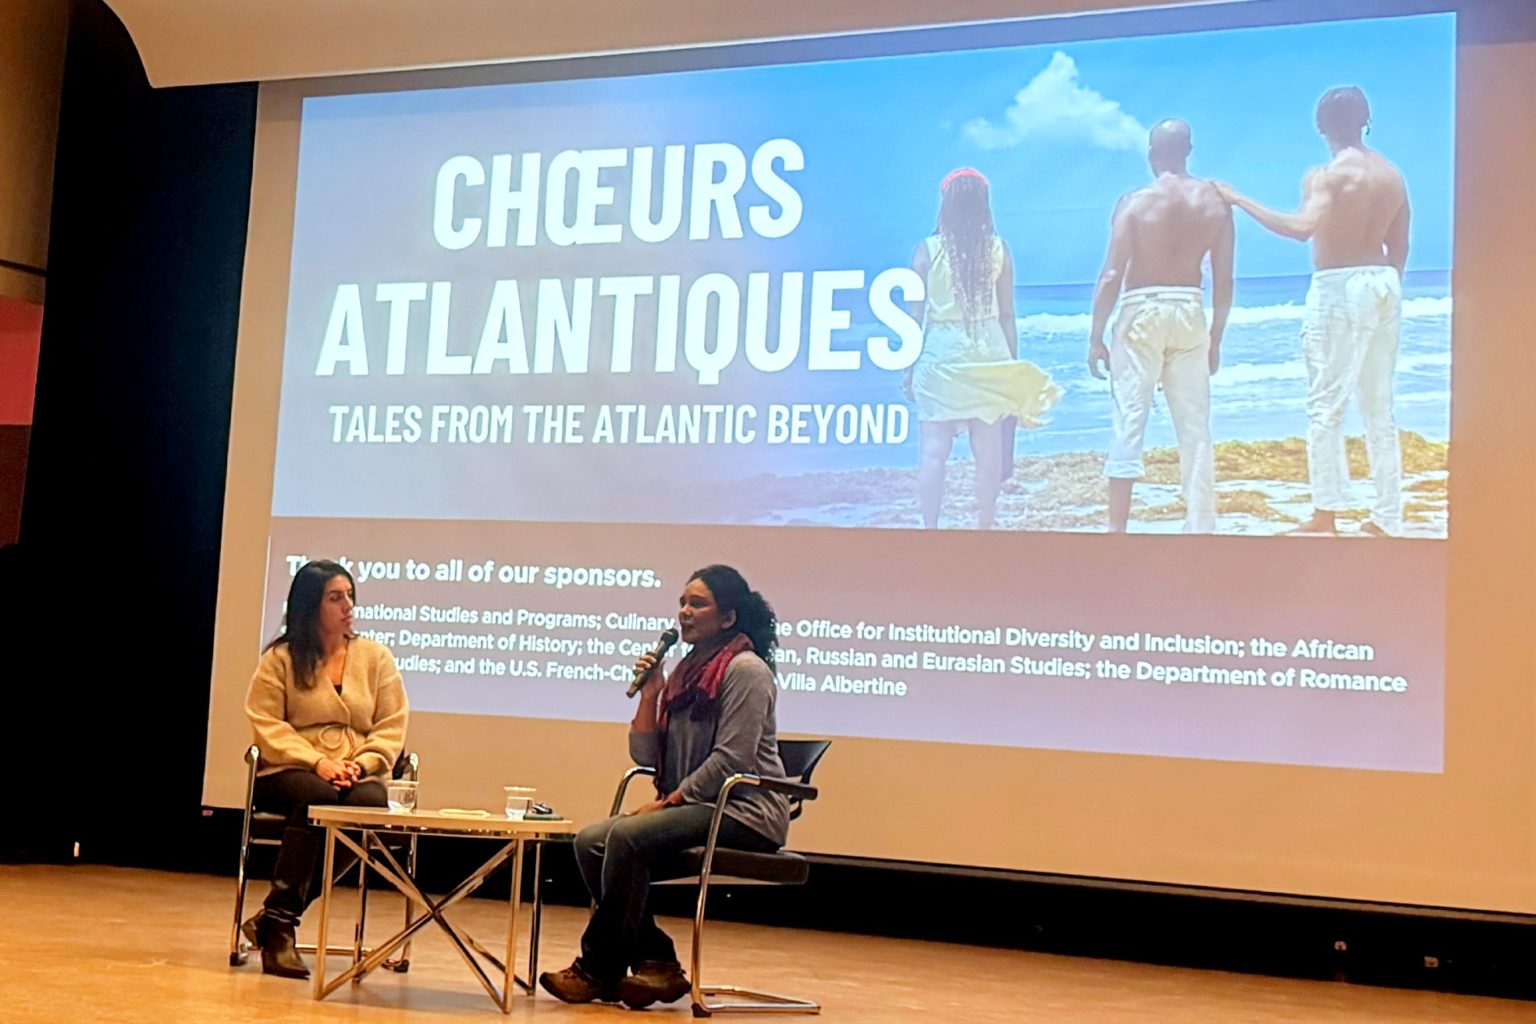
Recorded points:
(1261, 489)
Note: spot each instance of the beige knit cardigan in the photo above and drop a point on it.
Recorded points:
(296, 727)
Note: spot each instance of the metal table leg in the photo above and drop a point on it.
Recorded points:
(376, 855)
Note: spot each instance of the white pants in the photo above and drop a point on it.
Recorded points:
(1161, 338)
(1349, 343)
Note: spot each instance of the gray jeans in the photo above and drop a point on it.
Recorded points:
(619, 858)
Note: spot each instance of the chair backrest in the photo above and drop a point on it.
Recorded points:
(800, 758)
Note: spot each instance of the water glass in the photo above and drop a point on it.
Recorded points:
(402, 796)
(519, 798)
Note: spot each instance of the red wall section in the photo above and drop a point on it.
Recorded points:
(21, 326)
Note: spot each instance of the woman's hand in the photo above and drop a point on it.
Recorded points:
(673, 799)
(337, 773)
(648, 668)
(646, 665)
(654, 805)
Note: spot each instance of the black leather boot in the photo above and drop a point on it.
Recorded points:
(279, 918)
(251, 929)
(279, 946)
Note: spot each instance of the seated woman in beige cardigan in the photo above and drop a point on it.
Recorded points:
(329, 712)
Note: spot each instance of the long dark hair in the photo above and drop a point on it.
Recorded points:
(301, 623)
(754, 615)
(966, 231)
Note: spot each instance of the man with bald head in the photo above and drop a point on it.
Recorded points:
(1160, 236)
(1354, 210)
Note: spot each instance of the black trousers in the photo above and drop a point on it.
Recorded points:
(618, 859)
(291, 792)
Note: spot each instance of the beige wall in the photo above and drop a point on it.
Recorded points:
(32, 34)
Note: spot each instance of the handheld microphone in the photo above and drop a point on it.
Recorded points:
(663, 645)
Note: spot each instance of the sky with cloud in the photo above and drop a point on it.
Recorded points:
(1059, 129)
(1057, 107)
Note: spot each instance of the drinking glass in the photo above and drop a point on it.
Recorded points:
(401, 794)
(518, 800)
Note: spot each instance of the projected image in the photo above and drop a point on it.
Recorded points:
(546, 298)
(911, 340)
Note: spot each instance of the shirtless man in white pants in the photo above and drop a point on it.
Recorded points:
(1159, 238)
(1354, 210)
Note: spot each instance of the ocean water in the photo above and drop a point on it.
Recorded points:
(1258, 394)
(1260, 390)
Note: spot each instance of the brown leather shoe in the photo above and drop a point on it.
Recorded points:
(574, 985)
(654, 981)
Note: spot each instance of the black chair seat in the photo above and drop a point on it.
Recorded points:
(268, 824)
(782, 868)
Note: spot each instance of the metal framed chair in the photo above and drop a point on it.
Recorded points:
(712, 864)
(263, 828)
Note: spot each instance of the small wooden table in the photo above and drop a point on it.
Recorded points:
(374, 822)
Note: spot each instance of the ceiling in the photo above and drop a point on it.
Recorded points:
(197, 42)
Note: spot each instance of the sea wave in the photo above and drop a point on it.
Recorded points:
(1424, 362)
(1238, 374)
(1420, 307)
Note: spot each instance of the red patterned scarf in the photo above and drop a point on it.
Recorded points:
(693, 686)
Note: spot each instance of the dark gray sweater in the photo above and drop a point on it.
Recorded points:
(741, 737)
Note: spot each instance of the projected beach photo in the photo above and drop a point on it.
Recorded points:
(1191, 283)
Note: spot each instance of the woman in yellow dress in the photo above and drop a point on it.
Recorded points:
(967, 377)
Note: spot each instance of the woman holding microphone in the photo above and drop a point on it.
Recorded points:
(712, 718)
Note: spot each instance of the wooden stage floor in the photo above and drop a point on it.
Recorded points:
(85, 943)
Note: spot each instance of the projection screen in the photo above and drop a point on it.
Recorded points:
(525, 346)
